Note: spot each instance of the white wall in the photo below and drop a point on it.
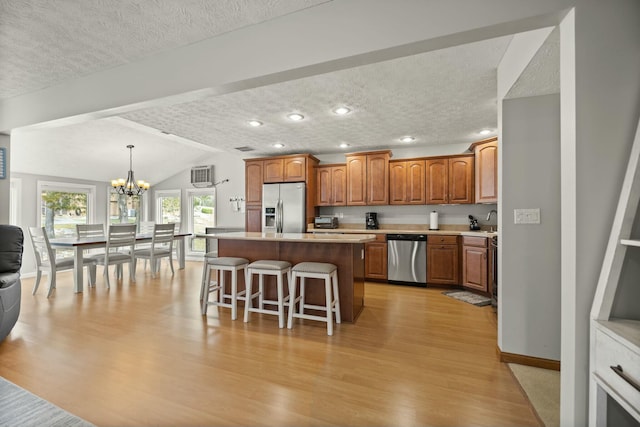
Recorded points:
(529, 287)
(600, 106)
(226, 166)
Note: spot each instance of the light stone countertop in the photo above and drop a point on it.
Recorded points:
(295, 237)
(404, 229)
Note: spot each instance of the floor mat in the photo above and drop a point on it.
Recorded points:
(469, 297)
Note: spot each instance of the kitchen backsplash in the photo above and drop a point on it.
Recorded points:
(392, 214)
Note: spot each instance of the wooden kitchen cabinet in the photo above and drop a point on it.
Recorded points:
(443, 263)
(331, 185)
(375, 258)
(407, 182)
(290, 168)
(368, 178)
(285, 169)
(450, 180)
(253, 195)
(475, 263)
(486, 170)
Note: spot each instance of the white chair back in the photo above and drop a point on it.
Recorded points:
(121, 236)
(41, 247)
(89, 230)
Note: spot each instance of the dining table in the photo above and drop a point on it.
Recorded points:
(79, 245)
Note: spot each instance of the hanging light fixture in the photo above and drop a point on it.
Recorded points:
(129, 186)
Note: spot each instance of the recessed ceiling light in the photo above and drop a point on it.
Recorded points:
(407, 139)
(485, 132)
(344, 145)
(295, 117)
(278, 145)
(255, 123)
(341, 111)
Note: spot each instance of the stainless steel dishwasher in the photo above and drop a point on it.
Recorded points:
(407, 259)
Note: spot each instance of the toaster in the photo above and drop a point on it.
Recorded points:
(325, 222)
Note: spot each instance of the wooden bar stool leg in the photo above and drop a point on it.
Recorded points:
(280, 301)
(247, 303)
(336, 295)
(205, 279)
(222, 286)
(301, 306)
(292, 299)
(234, 295)
(329, 304)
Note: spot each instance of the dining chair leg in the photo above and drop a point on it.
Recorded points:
(171, 265)
(52, 282)
(38, 277)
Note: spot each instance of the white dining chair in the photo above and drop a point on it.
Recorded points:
(89, 231)
(145, 228)
(161, 247)
(119, 250)
(46, 260)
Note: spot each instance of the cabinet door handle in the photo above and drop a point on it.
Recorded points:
(618, 370)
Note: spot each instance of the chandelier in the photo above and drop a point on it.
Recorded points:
(129, 186)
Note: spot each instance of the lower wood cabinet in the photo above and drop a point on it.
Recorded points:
(443, 263)
(475, 263)
(253, 218)
(375, 258)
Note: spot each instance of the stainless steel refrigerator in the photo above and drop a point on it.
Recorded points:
(283, 208)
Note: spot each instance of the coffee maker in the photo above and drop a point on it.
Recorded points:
(372, 220)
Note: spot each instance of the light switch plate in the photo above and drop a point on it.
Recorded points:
(526, 216)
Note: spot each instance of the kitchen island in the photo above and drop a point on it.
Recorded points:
(346, 251)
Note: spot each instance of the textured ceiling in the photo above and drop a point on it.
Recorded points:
(444, 96)
(439, 97)
(44, 42)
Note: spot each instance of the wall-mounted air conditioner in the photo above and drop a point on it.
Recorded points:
(202, 176)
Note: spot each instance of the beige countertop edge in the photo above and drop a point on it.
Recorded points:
(295, 237)
(481, 233)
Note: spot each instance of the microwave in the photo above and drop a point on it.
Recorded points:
(325, 222)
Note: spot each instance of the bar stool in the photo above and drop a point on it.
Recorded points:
(220, 265)
(267, 268)
(316, 270)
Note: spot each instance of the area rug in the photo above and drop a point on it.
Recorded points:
(469, 297)
(18, 407)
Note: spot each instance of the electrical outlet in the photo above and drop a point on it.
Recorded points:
(526, 216)
(340, 215)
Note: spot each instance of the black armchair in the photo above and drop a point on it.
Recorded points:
(11, 246)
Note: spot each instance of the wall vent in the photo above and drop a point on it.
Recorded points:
(202, 176)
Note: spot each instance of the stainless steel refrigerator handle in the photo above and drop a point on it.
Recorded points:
(279, 221)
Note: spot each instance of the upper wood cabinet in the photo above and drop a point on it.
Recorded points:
(368, 178)
(486, 170)
(285, 169)
(407, 182)
(450, 180)
(331, 185)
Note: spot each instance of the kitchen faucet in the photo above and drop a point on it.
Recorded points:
(489, 217)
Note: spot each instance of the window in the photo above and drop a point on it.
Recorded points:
(63, 205)
(201, 214)
(124, 209)
(168, 206)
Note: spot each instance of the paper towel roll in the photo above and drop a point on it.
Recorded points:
(433, 221)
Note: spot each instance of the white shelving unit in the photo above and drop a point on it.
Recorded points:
(615, 342)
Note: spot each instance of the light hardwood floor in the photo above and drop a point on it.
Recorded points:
(141, 354)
